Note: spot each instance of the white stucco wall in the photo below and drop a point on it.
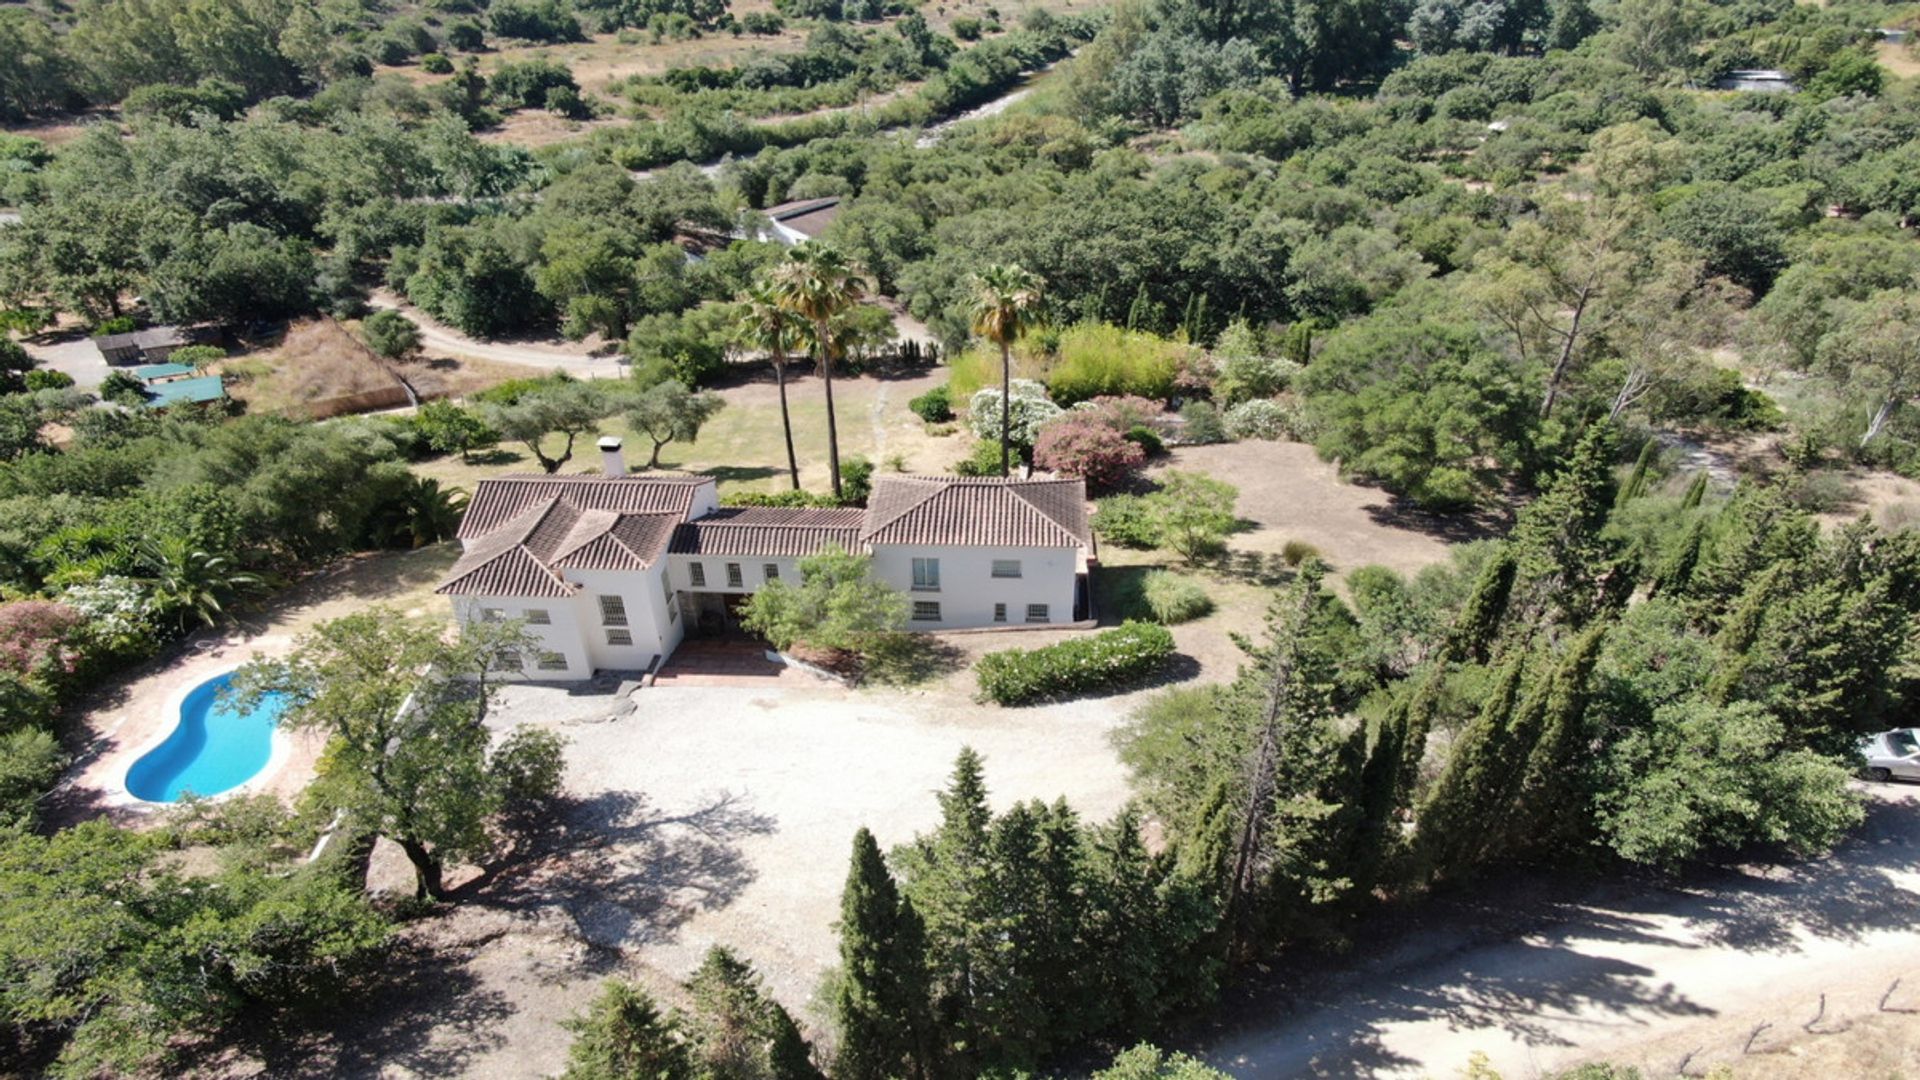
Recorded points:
(563, 634)
(753, 572)
(968, 590)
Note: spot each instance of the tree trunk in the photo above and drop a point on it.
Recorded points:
(1879, 420)
(653, 461)
(786, 421)
(1006, 408)
(833, 429)
(427, 872)
(1565, 361)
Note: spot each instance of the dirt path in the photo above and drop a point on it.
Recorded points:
(1639, 976)
(549, 355)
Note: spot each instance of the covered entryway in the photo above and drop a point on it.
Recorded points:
(715, 616)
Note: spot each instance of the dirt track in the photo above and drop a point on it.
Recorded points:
(1639, 976)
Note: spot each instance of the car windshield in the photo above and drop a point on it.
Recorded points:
(1902, 743)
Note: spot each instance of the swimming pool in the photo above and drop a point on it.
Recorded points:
(213, 748)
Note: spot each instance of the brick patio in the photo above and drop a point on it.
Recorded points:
(729, 662)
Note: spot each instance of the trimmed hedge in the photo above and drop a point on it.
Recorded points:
(1130, 653)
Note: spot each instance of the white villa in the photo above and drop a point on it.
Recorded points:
(611, 572)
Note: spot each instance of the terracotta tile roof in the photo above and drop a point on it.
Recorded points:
(552, 531)
(768, 530)
(977, 511)
(499, 500)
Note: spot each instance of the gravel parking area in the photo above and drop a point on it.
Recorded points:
(740, 804)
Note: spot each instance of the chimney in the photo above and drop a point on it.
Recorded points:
(612, 461)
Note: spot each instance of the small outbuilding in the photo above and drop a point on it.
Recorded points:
(1756, 81)
(150, 346)
(803, 220)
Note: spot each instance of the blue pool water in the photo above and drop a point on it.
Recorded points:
(214, 748)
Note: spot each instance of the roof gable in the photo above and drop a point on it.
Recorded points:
(977, 511)
(498, 500)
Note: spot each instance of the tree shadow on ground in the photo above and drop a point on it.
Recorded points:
(914, 659)
(1399, 512)
(427, 1015)
(625, 872)
(1512, 951)
(739, 474)
(1254, 567)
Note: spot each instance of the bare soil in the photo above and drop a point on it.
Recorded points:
(318, 359)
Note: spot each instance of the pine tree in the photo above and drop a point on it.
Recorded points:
(1548, 802)
(738, 1032)
(879, 1006)
(623, 1036)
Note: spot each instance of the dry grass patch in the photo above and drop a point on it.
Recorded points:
(318, 360)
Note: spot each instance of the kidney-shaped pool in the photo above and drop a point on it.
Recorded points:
(214, 747)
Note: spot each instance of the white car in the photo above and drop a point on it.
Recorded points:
(1892, 755)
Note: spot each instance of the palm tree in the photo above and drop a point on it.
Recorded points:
(817, 282)
(432, 513)
(765, 323)
(1006, 304)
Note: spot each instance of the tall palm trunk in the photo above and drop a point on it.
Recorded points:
(786, 420)
(1006, 409)
(833, 429)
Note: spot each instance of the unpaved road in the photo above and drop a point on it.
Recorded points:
(1638, 976)
(555, 355)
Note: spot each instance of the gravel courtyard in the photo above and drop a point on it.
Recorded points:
(753, 797)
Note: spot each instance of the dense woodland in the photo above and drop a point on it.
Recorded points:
(1478, 253)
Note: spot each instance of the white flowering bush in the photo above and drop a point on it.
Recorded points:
(1031, 411)
(121, 615)
(1263, 418)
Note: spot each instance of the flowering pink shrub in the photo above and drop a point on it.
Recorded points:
(1124, 412)
(1080, 444)
(36, 637)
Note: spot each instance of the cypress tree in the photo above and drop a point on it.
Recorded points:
(1675, 575)
(1557, 539)
(1547, 798)
(1455, 813)
(740, 1033)
(880, 1002)
(1636, 484)
(1737, 635)
(1475, 629)
(623, 1036)
(1696, 492)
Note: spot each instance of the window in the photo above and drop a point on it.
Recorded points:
(926, 575)
(999, 613)
(538, 617)
(772, 571)
(613, 611)
(616, 636)
(510, 660)
(1037, 613)
(666, 589)
(552, 661)
(1006, 568)
(698, 573)
(734, 578)
(492, 614)
(926, 611)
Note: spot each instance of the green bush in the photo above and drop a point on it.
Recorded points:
(1146, 439)
(1124, 656)
(1126, 520)
(856, 480)
(777, 498)
(435, 63)
(48, 379)
(1295, 552)
(197, 356)
(984, 459)
(966, 28)
(1203, 424)
(934, 406)
(1173, 598)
